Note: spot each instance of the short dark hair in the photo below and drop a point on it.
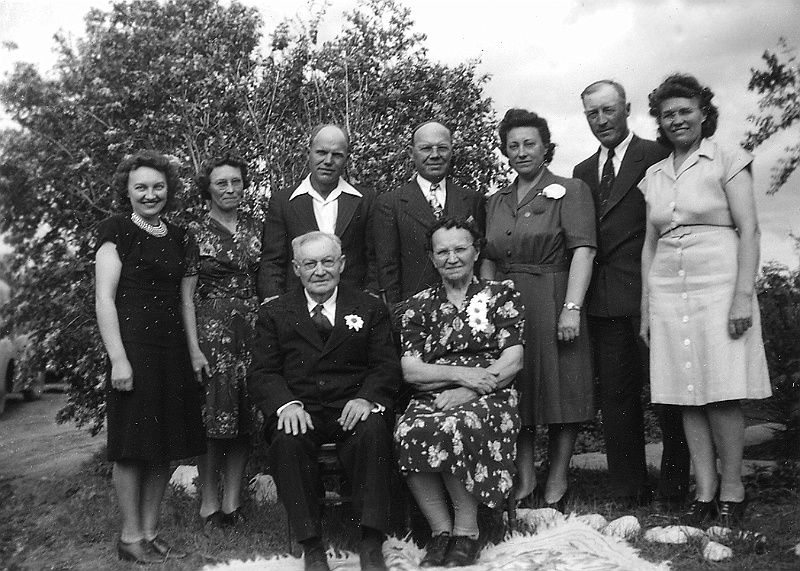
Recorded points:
(315, 131)
(451, 222)
(686, 86)
(203, 179)
(592, 87)
(523, 118)
(154, 160)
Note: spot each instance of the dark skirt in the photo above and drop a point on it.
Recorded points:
(159, 420)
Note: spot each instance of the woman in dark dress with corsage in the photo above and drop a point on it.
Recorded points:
(462, 347)
(220, 309)
(540, 233)
(153, 401)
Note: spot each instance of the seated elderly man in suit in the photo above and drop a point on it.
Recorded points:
(325, 370)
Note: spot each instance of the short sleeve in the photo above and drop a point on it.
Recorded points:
(192, 254)
(111, 230)
(577, 215)
(509, 321)
(413, 331)
(734, 160)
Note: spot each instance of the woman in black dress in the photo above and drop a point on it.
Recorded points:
(153, 401)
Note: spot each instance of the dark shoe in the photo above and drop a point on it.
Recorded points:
(213, 521)
(138, 552)
(731, 514)
(436, 551)
(371, 557)
(642, 498)
(314, 558)
(532, 500)
(463, 551)
(232, 519)
(165, 549)
(699, 512)
(561, 503)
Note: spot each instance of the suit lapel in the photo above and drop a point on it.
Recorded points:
(303, 208)
(625, 180)
(416, 206)
(301, 320)
(340, 331)
(456, 200)
(347, 207)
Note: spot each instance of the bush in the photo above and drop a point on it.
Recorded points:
(779, 299)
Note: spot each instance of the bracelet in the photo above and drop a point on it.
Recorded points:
(570, 306)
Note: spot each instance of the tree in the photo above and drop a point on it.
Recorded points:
(779, 88)
(188, 77)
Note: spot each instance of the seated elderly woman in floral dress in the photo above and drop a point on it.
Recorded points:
(462, 346)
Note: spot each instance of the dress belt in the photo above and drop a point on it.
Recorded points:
(534, 269)
(689, 227)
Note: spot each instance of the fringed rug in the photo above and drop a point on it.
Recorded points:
(561, 544)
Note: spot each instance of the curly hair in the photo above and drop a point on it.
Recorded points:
(524, 118)
(203, 178)
(685, 86)
(154, 160)
(451, 222)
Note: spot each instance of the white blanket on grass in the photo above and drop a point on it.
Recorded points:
(561, 544)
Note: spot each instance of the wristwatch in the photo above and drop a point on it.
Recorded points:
(570, 306)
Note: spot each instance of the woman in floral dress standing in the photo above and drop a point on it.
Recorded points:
(220, 307)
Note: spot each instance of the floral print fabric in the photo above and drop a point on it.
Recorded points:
(474, 441)
(226, 307)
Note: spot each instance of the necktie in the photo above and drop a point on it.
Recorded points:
(606, 181)
(323, 325)
(438, 209)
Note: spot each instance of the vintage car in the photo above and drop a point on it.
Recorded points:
(12, 351)
(13, 348)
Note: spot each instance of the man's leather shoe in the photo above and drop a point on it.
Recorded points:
(232, 519)
(138, 552)
(165, 550)
(315, 559)
(372, 558)
(436, 551)
(463, 551)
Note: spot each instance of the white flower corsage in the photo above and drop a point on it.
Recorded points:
(354, 322)
(554, 191)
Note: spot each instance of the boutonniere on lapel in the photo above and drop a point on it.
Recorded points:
(554, 191)
(353, 322)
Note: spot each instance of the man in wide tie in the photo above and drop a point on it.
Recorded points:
(325, 369)
(403, 216)
(614, 296)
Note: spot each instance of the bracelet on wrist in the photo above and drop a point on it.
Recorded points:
(572, 306)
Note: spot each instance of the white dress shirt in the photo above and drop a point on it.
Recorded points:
(326, 210)
(616, 160)
(441, 192)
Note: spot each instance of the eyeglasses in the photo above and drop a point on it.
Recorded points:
(429, 149)
(311, 265)
(458, 252)
(222, 183)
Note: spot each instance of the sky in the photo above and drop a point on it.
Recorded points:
(540, 55)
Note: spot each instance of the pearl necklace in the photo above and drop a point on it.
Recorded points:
(158, 231)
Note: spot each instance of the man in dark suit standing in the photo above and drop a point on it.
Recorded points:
(614, 298)
(322, 201)
(325, 370)
(403, 216)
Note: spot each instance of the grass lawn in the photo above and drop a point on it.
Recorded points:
(72, 523)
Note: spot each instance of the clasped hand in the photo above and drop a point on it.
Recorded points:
(122, 375)
(480, 380)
